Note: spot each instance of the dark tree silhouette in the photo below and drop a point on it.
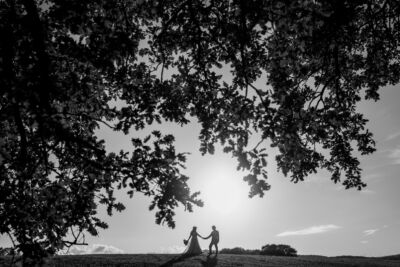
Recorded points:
(240, 251)
(69, 67)
(278, 250)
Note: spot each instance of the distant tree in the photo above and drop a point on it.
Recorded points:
(278, 250)
(239, 250)
(236, 250)
(69, 67)
(253, 251)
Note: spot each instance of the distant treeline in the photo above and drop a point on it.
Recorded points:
(269, 249)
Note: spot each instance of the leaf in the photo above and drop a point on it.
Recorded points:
(146, 139)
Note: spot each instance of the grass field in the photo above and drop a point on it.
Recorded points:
(125, 260)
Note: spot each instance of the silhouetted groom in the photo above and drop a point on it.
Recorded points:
(214, 240)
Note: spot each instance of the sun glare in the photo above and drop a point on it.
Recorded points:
(224, 191)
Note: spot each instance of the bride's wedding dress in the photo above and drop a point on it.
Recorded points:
(193, 247)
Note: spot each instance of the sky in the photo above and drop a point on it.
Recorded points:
(315, 217)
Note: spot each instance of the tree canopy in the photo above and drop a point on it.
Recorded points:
(69, 67)
(278, 250)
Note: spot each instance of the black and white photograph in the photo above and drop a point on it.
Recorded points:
(183, 133)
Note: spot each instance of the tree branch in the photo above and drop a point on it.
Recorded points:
(39, 39)
(21, 129)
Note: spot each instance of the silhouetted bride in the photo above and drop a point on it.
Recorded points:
(193, 246)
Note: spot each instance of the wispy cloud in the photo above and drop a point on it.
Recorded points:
(311, 230)
(394, 154)
(94, 249)
(370, 231)
(371, 176)
(367, 192)
(393, 136)
(363, 241)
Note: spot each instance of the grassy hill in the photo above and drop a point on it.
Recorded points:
(148, 260)
(392, 257)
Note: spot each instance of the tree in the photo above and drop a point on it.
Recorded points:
(278, 250)
(68, 67)
(6, 251)
(235, 250)
(240, 250)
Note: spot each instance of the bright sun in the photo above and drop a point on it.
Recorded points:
(224, 191)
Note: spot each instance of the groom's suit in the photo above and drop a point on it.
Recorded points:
(214, 240)
(214, 237)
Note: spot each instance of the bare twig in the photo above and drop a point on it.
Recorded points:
(259, 143)
(87, 116)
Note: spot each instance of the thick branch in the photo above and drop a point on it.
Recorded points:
(21, 129)
(39, 39)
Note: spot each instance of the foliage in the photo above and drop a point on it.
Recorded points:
(56, 91)
(269, 249)
(240, 251)
(6, 251)
(69, 67)
(236, 250)
(278, 250)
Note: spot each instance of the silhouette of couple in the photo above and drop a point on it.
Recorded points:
(193, 246)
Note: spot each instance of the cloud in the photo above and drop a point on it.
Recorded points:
(393, 136)
(370, 232)
(367, 192)
(371, 176)
(395, 155)
(363, 241)
(311, 230)
(94, 249)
